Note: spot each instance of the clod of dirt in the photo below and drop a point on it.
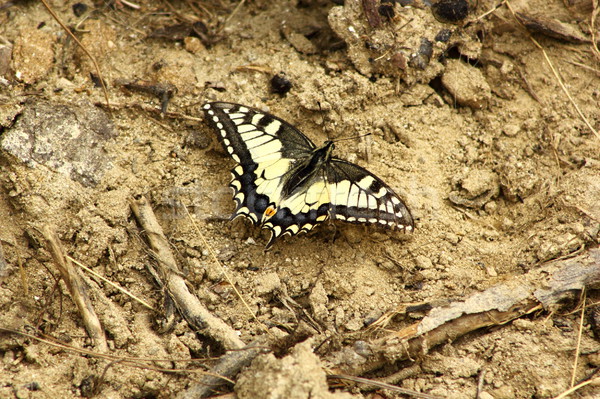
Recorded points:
(464, 366)
(299, 375)
(268, 284)
(33, 55)
(518, 178)
(66, 138)
(299, 41)
(476, 189)
(99, 40)
(467, 85)
(318, 301)
(404, 47)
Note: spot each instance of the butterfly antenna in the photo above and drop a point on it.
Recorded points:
(352, 137)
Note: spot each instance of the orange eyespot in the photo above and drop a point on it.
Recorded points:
(270, 211)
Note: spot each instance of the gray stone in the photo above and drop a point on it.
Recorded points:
(66, 138)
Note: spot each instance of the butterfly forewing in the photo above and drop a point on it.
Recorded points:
(279, 185)
(265, 148)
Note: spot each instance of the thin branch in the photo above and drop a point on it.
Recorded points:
(579, 335)
(77, 289)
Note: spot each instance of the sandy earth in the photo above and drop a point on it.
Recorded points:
(474, 132)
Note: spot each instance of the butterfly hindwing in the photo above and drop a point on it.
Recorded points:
(284, 183)
(358, 196)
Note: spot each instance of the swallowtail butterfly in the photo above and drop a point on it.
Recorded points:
(284, 183)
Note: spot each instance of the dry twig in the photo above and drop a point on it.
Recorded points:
(192, 309)
(170, 278)
(77, 289)
(544, 287)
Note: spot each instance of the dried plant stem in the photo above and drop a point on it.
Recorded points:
(77, 289)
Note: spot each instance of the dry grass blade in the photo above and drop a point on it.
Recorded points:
(107, 281)
(85, 50)
(138, 362)
(224, 270)
(593, 20)
(579, 335)
(382, 385)
(556, 75)
(576, 388)
(235, 10)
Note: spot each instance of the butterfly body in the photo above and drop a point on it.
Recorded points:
(284, 183)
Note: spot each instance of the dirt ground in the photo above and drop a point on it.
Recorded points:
(469, 125)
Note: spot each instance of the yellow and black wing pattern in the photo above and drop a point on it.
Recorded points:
(284, 183)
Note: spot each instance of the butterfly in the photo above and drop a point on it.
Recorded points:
(283, 182)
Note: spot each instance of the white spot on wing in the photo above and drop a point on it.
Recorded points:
(275, 169)
(366, 182)
(276, 230)
(372, 202)
(262, 147)
(237, 116)
(353, 195)
(339, 192)
(273, 127)
(250, 135)
(257, 141)
(362, 200)
(382, 191)
(256, 119)
(245, 128)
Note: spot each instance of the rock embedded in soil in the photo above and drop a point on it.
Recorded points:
(298, 375)
(467, 85)
(477, 188)
(68, 139)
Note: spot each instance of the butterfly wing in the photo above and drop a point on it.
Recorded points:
(265, 147)
(358, 196)
(270, 152)
(302, 210)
